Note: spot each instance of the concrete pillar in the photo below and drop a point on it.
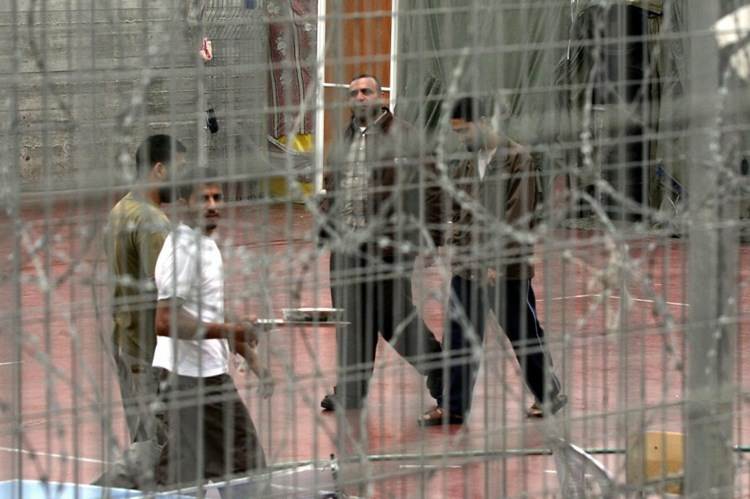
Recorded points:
(712, 274)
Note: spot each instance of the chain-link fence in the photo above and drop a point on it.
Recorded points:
(487, 248)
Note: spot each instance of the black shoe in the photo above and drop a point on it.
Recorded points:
(327, 403)
(331, 401)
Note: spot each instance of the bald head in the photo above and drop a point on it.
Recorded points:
(365, 99)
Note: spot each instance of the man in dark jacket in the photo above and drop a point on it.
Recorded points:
(495, 187)
(374, 206)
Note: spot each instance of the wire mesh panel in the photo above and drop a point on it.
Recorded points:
(349, 248)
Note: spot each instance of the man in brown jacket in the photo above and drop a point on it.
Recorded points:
(375, 212)
(492, 212)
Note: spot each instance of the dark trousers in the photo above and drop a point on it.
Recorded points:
(376, 299)
(210, 432)
(139, 383)
(514, 305)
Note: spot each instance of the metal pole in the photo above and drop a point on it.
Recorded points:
(392, 95)
(10, 196)
(709, 460)
(320, 58)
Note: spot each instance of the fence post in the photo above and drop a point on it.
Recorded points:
(712, 266)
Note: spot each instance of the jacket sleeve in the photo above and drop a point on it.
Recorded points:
(521, 197)
(420, 192)
(324, 203)
(435, 209)
(148, 239)
(521, 192)
(327, 199)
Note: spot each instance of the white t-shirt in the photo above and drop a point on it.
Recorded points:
(190, 267)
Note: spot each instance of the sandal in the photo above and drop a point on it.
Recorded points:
(439, 417)
(535, 411)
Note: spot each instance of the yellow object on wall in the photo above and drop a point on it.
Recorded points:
(303, 142)
(278, 186)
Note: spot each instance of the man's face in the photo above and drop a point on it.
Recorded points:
(169, 171)
(469, 133)
(206, 203)
(365, 99)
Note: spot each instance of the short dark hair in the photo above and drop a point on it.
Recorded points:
(195, 177)
(159, 148)
(467, 109)
(368, 75)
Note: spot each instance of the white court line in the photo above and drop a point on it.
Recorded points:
(429, 466)
(54, 455)
(13, 363)
(571, 297)
(643, 300)
(612, 297)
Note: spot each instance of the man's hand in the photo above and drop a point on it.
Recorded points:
(267, 384)
(560, 195)
(428, 260)
(491, 276)
(246, 331)
(440, 256)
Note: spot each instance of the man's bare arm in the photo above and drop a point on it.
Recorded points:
(249, 353)
(172, 319)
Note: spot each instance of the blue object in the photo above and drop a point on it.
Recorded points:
(251, 4)
(670, 182)
(35, 489)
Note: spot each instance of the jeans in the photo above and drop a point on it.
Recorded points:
(514, 305)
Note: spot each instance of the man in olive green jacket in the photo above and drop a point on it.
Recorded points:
(136, 229)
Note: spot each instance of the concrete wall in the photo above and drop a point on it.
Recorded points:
(83, 81)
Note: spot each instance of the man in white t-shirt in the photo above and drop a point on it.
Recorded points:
(210, 432)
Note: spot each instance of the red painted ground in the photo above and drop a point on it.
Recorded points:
(69, 398)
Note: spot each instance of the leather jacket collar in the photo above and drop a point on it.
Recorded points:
(383, 122)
